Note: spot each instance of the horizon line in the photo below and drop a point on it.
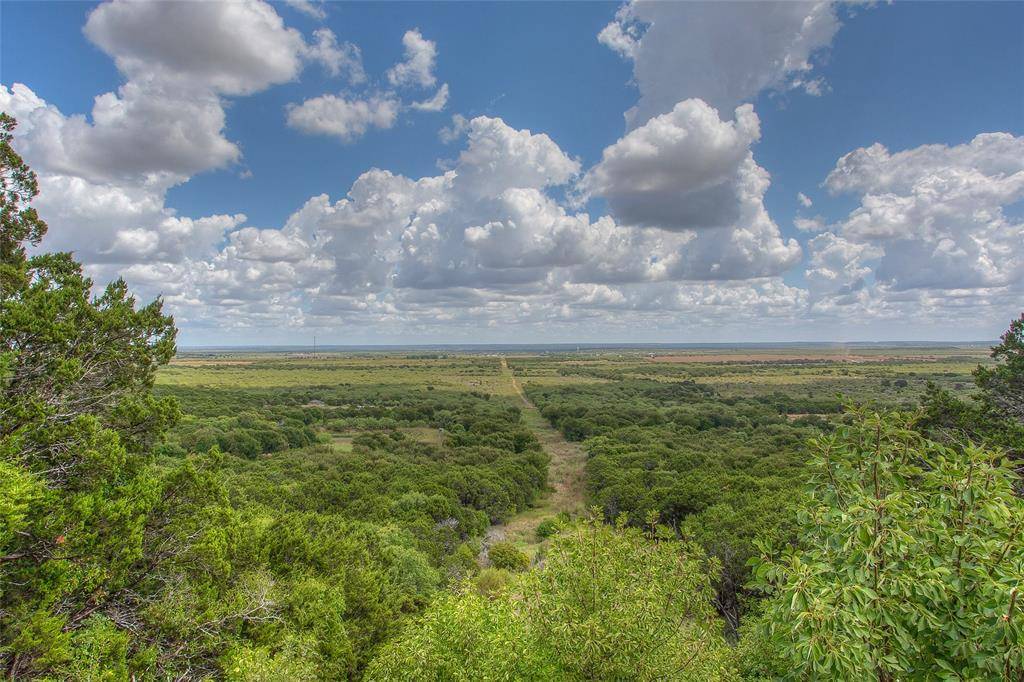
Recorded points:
(588, 344)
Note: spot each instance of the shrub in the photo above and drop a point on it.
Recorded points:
(547, 528)
(506, 555)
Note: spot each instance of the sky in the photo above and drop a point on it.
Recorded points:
(382, 173)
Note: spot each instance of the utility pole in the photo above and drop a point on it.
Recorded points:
(314, 346)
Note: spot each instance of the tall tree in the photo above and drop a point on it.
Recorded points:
(84, 518)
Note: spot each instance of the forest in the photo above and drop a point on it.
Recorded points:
(168, 514)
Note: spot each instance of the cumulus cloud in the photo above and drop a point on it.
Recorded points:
(722, 52)
(348, 117)
(804, 200)
(417, 69)
(689, 171)
(491, 224)
(679, 170)
(498, 238)
(104, 177)
(938, 211)
(233, 48)
(268, 246)
(815, 224)
(141, 135)
(455, 131)
(166, 123)
(343, 118)
(498, 156)
(837, 265)
(107, 208)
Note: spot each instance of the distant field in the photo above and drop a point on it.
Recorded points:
(861, 374)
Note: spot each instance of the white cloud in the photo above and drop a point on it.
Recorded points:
(418, 67)
(233, 48)
(104, 178)
(498, 156)
(311, 9)
(722, 52)
(435, 103)
(453, 132)
(837, 265)
(269, 246)
(493, 241)
(815, 224)
(111, 208)
(343, 118)
(336, 58)
(622, 35)
(688, 171)
(490, 224)
(166, 123)
(938, 211)
(142, 135)
(804, 200)
(679, 170)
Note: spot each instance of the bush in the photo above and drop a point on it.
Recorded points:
(547, 528)
(506, 555)
(491, 581)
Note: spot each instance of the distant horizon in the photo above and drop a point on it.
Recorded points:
(594, 346)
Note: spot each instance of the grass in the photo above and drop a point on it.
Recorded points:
(565, 477)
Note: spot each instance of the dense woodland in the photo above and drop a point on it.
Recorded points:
(301, 529)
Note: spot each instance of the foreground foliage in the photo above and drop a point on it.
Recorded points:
(909, 564)
(607, 603)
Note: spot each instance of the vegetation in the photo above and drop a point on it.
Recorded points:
(280, 517)
(608, 603)
(909, 561)
(722, 472)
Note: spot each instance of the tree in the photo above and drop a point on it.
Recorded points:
(1003, 385)
(909, 565)
(85, 520)
(995, 415)
(609, 602)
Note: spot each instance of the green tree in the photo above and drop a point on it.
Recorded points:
(910, 561)
(609, 602)
(86, 524)
(1002, 386)
(995, 415)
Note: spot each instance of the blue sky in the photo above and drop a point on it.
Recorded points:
(905, 76)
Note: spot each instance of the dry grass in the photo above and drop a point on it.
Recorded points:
(565, 477)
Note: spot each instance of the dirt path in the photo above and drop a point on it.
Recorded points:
(565, 476)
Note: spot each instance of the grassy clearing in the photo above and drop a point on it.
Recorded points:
(565, 477)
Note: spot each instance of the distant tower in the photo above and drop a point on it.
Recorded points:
(314, 345)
